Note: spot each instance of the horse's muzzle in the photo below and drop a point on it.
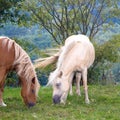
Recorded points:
(56, 99)
(31, 104)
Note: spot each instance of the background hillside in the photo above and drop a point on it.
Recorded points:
(37, 37)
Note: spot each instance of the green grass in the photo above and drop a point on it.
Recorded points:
(105, 105)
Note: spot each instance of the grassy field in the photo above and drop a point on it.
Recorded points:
(105, 105)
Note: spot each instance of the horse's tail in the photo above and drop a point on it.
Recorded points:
(47, 61)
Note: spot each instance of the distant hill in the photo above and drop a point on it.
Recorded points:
(43, 40)
(107, 32)
(40, 38)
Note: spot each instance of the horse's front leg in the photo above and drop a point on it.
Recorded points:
(2, 81)
(71, 92)
(84, 75)
(78, 78)
(70, 83)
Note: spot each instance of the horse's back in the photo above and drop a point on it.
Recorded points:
(7, 52)
(82, 51)
(76, 38)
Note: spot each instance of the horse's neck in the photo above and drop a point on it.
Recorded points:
(23, 63)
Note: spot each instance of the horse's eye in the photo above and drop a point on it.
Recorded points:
(33, 80)
(58, 85)
(33, 91)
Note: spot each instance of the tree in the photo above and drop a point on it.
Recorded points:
(61, 18)
(9, 11)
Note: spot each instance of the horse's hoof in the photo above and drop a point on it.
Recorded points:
(71, 94)
(3, 104)
(62, 102)
(78, 93)
(87, 101)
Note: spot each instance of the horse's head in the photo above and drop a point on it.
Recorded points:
(29, 91)
(60, 89)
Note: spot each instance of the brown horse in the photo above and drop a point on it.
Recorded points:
(76, 57)
(13, 57)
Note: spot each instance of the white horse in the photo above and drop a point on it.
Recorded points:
(76, 56)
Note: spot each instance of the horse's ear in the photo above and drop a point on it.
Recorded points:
(60, 74)
(33, 80)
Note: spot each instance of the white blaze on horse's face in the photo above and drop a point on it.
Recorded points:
(60, 90)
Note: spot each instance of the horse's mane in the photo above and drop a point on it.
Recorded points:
(10, 42)
(25, 67)
(22, 62)
(64, 51)
(22, 58)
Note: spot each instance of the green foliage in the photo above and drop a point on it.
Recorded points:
(116, 71)
(8, 11)
(43, 73)
(12, 79)
(108, 51)
(105, 105)
(106, 54)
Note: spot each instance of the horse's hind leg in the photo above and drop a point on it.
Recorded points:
(84, 75)
(78, 78)
(2, 81)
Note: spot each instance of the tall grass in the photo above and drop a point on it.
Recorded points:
(105, 105)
